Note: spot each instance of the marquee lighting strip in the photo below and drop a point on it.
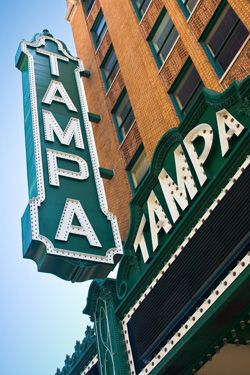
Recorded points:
(202, 309)
(90, 365)
(35, 203)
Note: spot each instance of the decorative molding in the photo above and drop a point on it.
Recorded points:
(72, 6)
(83, 350)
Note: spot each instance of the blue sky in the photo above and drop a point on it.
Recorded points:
(41, 315)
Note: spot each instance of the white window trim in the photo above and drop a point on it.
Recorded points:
(101, 39)
(169, 52)
(190, 15)
(145, 12)
(234, 59)
(90, 10)
(118, 71)
(126, 135)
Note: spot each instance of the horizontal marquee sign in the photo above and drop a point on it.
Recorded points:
(194, 159)
(186, 262)
(67, 228)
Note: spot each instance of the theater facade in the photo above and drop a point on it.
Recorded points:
(149, 131)
(172, 81)
(181, 292)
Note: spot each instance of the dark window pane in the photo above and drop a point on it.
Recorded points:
(110, 67)
(123, 109)
(166, 48)
(142, 5)
(162, 32)
(164, 37)
(113, 72)
(194, 96)
(88, 5)
(232, 46)
(188, 87)
(190, 4)
(226, 38)
(128, 122)
(111, 61)
(139, 169)
(99, 29)
(221, 30)
(124, 116)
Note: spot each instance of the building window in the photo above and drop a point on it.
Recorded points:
(162, 37)
(141, 6)
(123, 115)
(99, 29)
(189, 5)
(186, 88)
(223, 38)
(109, 67)
(87, 5)
(138, 167)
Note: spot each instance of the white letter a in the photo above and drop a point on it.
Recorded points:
(74, 208)
(50, 95)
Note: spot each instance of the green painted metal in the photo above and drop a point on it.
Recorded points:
(93, 117)
(108, 174)
(85, 73)
(101, 303)
(74, 257)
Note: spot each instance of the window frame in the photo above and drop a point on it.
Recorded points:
(86, 9)
(118, 126)
(184, 8)
(97, 41)
(108, 84)
(152, 33)
(138, 9)
(130, 166)
(216, 65)
(180, 111)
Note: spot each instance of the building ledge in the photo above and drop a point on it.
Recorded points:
(71, 7)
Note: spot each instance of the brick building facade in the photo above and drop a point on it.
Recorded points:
(148, 62)
(128, 30)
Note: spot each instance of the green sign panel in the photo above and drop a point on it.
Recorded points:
(67, 228)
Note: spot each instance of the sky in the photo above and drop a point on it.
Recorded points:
(40, 315)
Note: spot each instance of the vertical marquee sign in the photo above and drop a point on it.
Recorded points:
(67, 228)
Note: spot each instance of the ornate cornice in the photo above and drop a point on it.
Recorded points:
(71, 8)
(81, 352)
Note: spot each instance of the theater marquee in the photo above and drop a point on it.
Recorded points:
(185, 268)
(67, 228)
